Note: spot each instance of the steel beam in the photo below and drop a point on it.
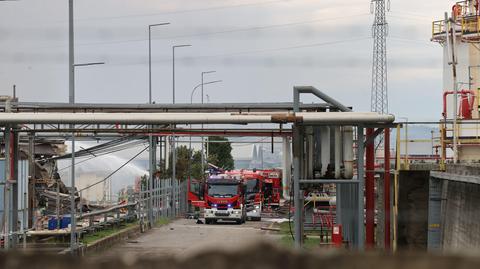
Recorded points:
(361, 173)
(210, 107)
(7, 189)
(298, 144)
(15, 181)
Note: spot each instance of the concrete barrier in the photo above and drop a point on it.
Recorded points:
(109, 241)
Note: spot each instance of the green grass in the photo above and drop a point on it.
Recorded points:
(90, 238)
(308, 243)
(162, 221)
(312, 241)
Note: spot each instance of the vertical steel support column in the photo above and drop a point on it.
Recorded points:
(71, 81)
(31, 181)
(71, 53)
(298, 144)
(309, 162)
(174, 175)
(15, 181)
(73, 221)
(7, 192)
(370, 191)
(387, 189)
(395, 186)
(361, 185)
(152, 165)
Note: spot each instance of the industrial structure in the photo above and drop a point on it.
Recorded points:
(459, 34)
(335, 182)
(446, 188)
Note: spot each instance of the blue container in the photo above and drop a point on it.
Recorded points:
(52, 224)
(65, 222)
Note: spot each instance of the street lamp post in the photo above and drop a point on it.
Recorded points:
(152, 141)
(173, 67)
(150, 58)
(203, 146)
(191, 102)
(174, 149)
(73, 221)
(203, 74)
(201, 85)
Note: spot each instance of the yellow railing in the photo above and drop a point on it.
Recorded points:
(470, 25)
(438, 27)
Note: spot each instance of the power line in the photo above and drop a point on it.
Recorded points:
(402, 39)
(246, 29)
(312, 45)
(186, 11)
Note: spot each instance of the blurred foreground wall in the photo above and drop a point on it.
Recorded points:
(260, 256)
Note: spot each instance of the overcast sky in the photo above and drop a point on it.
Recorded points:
(259, 48)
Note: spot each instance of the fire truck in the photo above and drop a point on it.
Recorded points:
(272, 187)
(224, 199)
(254, 195)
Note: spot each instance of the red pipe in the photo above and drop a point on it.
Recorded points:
(446, 93)
(370, 191)
(386, 188)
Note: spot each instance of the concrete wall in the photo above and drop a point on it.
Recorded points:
(461, 219)
(413, 210)
(460, 210)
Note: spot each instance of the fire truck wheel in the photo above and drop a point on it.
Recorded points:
(257, 218)
(208, 221)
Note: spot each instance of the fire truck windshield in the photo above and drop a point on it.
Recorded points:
(222, 190)
(252, 186)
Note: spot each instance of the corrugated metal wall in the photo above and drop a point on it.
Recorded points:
(22, 193)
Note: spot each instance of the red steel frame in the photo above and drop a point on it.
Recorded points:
(370, 191)
(386, 188)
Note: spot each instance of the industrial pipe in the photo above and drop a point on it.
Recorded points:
(348, 152)
(308, 118)
(297, 90)
(463, 92)
(324, 149)
(338, 150)
(287, 168)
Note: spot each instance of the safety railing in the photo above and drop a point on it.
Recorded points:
(167, 199)
(438, 29)
(471, 28)
(414, 150)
